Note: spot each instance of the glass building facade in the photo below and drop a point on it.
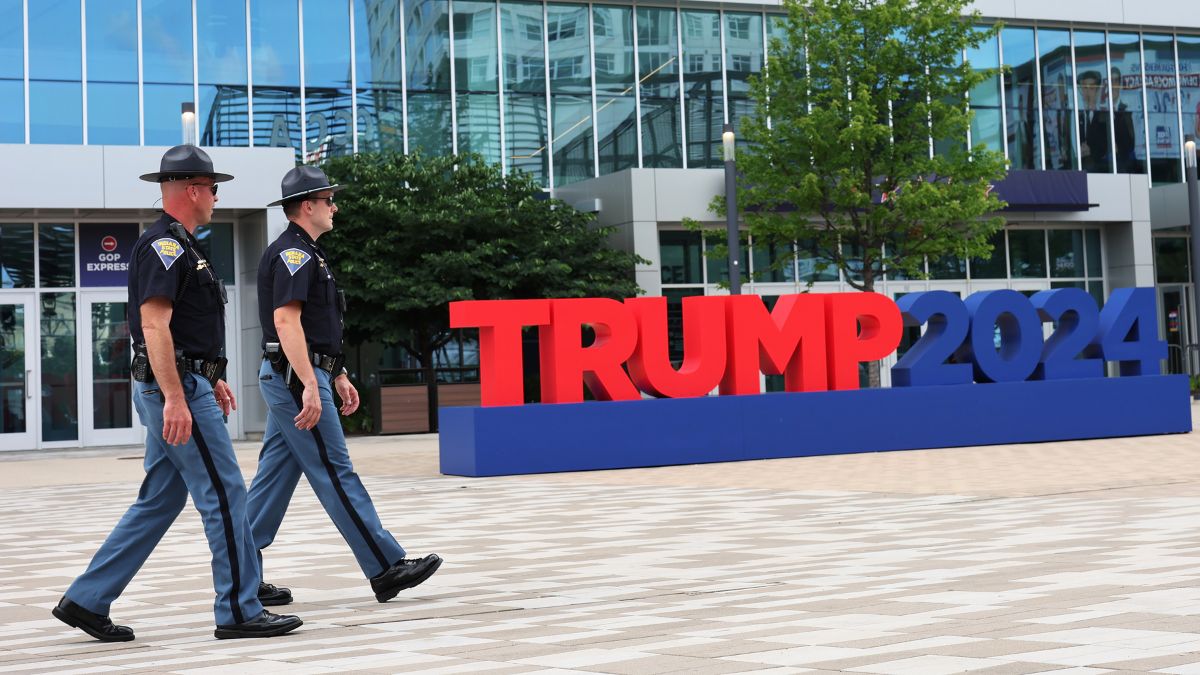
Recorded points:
(565, 91)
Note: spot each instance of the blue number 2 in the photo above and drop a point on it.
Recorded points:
(1078, 321)
(925, 363)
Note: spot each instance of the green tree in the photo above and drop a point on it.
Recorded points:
(415, 233)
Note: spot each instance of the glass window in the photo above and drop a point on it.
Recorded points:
(1027, 253)
(1024, 148)
(275, 55)
(55, 73)
(12, 73)
(166, 68)
(985, 97)
(616, 104)
(378, 70)
(681, 257)
(1189, 83)
(476, 78)
(112, 73)
(1163, 112)
(948, 267)
(56, 255)
(1094, 267)
(13, 382)
(658, 73)
(328, 122)
(1058, 112)
(1171, 260)
(570, 92)
(16, 256)
(854, 262)
(222, 111)
(526, 130)
(766, 257)
(1096, 288)
(994, 266)
(1125, 85)
(718, 268)
(427, 26)
(703, 88)
(743, 58)
(216, 241)
(675, 298)
(60, 376)
(112, 397)
(1095, 137)
(813, 264)
(1066, 253)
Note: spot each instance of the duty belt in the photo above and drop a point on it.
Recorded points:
(327, 362)
(211, 370)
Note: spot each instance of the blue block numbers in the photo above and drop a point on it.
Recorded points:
(960, 341)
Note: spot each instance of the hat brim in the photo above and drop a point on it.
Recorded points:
(298, 195)
(161, 176)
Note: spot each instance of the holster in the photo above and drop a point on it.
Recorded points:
(142, 372)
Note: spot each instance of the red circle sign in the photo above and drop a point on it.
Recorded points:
(109, 243)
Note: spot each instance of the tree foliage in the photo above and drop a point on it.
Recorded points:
(839, 153)
(414, 233)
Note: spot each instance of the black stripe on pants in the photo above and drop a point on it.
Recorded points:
(226, 521)
(341, 492)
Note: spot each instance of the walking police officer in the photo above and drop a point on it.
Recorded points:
(177, 320)
(300, 308)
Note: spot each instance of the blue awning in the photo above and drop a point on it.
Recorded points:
(1026, 190)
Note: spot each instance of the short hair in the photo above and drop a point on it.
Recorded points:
(292, 208)
(1092, 75)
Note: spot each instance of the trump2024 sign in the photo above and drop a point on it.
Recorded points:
(982, 373)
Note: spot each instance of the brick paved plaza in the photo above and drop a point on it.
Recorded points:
(1078, 557)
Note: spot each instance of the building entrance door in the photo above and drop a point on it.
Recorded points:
(1175, 325)
(107, 415)
(18, 372)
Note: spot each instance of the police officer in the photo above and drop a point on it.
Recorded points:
(300, 308)
(177, 320)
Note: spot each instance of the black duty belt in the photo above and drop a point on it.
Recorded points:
(210, 369)
(329, 363)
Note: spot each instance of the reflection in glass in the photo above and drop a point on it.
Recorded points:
(1058, 113)
(1027, 253)
(1171, 260)
(718, 268)
(570, 92)
(16, 256)
(221, 39)
(427, 34)
(378, 69)
(112, 73)
(329, 120)
(60, 409)
(476, 79)
(1189, 84)
(112, 394)
(1066, 253)
(948, 267)
(985, 97)
(1024, 148)
(12, 73)
(994, 266)
(1092, 241)
(1163, 113)
(743, 58)
(526, 130)
(658, 66)
(55, 73)
(773, 263)
(56, 255)
(1095, 136)
(616, 104)
(275, 55)
(1125, 85)
(675, 298)
(703, 88)
(216, 241)
(813, 264)
(680, 257)
(12, 368)
(166, 68)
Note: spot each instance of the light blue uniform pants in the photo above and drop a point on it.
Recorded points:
(204, 467)
(321, 455)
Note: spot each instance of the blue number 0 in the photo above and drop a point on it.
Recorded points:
(1020, 336)
(925, 363)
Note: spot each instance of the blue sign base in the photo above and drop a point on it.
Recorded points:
(545, 438)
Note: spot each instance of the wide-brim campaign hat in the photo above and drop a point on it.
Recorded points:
(302, 181)
(185, 161)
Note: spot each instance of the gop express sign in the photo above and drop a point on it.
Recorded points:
(816, 341)
(104, 253)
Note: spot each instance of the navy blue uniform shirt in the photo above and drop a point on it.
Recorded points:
(295, 268)
(163, 265)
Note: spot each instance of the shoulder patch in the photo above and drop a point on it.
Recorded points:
(294, 258)
(168, 250)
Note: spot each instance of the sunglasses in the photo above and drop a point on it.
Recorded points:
(212, 187)
(328, 200)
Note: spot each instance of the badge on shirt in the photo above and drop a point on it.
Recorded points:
(168, 251)
(294, 258)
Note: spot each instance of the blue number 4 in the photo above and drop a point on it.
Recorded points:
(1129, 332)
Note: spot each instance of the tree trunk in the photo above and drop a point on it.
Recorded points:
(429, 374)
(874, 377)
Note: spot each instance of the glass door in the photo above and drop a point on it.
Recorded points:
(108, 389)
(18, 372)
(1176, 328)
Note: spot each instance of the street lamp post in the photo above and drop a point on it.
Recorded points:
(733, 243)
(1189, 163)
(187, 120)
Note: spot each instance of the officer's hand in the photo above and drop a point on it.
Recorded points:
(224, 395)
(177, 422)
(310, 414)
(347, 393)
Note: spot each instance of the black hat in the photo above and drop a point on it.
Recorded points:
(185, 161)
(303, 180)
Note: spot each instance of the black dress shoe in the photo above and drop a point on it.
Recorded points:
(261, 626)
(99, 627)
(270, 595)
(407, 573)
